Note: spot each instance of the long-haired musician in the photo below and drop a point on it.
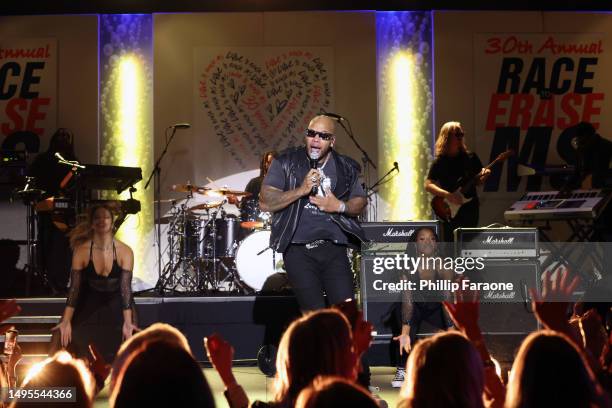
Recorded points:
(454, 163)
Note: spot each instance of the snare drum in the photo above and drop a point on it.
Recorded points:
(256, 261)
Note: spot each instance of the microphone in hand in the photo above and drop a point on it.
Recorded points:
(313, 157)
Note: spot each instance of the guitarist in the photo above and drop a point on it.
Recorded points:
(453, 164)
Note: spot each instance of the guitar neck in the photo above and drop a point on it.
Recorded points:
(469, 184)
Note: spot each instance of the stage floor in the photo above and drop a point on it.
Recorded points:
(259, 387)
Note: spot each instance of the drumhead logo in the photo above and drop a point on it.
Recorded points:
(498, 241)
(391, 232)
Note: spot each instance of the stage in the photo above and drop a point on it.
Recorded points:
(247, 322)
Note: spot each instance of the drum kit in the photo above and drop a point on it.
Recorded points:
(211, 250)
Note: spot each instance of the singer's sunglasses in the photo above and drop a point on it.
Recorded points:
(322, 135)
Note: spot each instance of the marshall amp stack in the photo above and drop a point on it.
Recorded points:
(511, 255)
(386, 238)
(497, 243)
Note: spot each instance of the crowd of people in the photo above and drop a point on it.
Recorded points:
(566, 364)
(315, 195)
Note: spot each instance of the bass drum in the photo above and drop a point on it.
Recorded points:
(256, 261)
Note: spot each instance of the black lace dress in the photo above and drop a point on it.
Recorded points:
(99, 302)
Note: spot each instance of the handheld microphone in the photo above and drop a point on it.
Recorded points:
(396, 166)
(313, 157)
(181, 126)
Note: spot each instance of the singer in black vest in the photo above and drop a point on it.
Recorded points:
(314, 195)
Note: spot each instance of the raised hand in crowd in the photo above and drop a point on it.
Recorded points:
(11, 366)
(361, 328)
(221, 353)
(8, 308)
(593, 335)
(464, 312)
(551, 306)
(98, 366)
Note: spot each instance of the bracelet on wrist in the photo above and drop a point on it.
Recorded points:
(342, 208)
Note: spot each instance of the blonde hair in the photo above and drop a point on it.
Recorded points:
(443, 140)
(83, 231)
(61, 370)
(319, 343)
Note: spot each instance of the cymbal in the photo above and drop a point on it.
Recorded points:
(226, 192)
(32, 192)
(206, 206)
(252, 224)
(189, 188)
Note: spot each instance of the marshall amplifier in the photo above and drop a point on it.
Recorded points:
(497, 243)
(509, 256)
(385, 238)
(396, 232)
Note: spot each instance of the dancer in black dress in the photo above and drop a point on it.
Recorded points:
(99, 305)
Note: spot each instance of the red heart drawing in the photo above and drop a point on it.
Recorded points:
(253, 109)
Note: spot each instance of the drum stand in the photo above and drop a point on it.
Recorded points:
(232, 278)
(208, 276)
(213, 265)
(176, 272)
(30, 197)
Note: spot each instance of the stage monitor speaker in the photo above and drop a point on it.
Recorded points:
(509, 312)
(389, 238)
(510, 256)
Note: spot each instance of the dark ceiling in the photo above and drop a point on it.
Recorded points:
(12, 7)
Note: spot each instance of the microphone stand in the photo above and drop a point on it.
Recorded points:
(365, 158)
(157, 197)
(380, 181)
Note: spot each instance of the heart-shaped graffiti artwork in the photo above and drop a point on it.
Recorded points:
(254, 108)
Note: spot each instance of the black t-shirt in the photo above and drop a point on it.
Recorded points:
(446, 171)
(315, 224)
(254, 186)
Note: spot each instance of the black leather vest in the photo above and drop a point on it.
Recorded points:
(296, 165)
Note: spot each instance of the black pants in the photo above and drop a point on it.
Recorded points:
(467, 217)
(324, 269)
(313, 272)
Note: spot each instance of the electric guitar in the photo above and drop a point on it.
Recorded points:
(446, 210)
